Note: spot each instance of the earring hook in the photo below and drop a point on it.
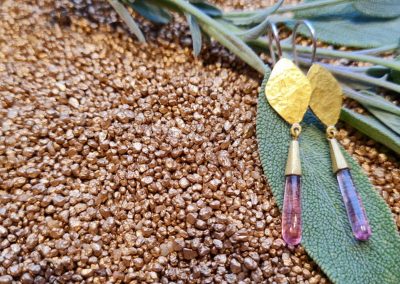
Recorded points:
(273, 35)
(313, 37)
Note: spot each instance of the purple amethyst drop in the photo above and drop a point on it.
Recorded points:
(291, 213)
(354, 207)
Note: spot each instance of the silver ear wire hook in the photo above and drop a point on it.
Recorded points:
(273, 35)
(313, 37)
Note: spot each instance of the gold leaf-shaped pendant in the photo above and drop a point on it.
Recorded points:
(288, 91)
(327, 97)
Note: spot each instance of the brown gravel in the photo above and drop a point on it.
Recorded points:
(121, 162)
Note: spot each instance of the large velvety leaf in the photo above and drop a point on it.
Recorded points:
(327, 235)
(378, 8)
(344, 25)
(374, 8)
(322, 12)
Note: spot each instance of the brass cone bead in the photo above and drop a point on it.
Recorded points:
(338, 160)
(293, 165)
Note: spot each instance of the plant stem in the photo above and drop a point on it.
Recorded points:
(357, 69)
(231, 41)
(378, 50)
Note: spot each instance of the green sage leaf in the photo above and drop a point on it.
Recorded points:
(224, 37)
(395, 74)
(383, 72)
(360, 78)
(377, 71)
(256, 18)
(207, 8)
(344, 25)
(338, 9)
(255, 32)
(151, 12)
(373, 128)
(373, 8)
(380, 71)
(128, 19)
(327, 235)
(195, 32)
(391, 120)
(378, 8)
(368, 98)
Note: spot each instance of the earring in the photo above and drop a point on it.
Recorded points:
(288, 91)
(326, 102)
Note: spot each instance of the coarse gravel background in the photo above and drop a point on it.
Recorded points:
(122, 162)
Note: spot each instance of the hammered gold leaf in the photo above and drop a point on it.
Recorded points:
(288, 91)
(327, 97)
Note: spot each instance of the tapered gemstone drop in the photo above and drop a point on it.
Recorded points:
(291, 213)
(354, 207)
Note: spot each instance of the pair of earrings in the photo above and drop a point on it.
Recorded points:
(290, 93)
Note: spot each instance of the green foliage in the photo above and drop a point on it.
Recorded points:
(125, 15)
(256, 18)
(377, 71)
(207, 8)
(389, 119)
(327, 235)
(195, 32)
(385, 73)
(344, 25)
(194, 26)
(395, 74)
(151, 11)
(373, 128)
(368, 98)
(386, 112)
(378, 8)
(318, 12)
